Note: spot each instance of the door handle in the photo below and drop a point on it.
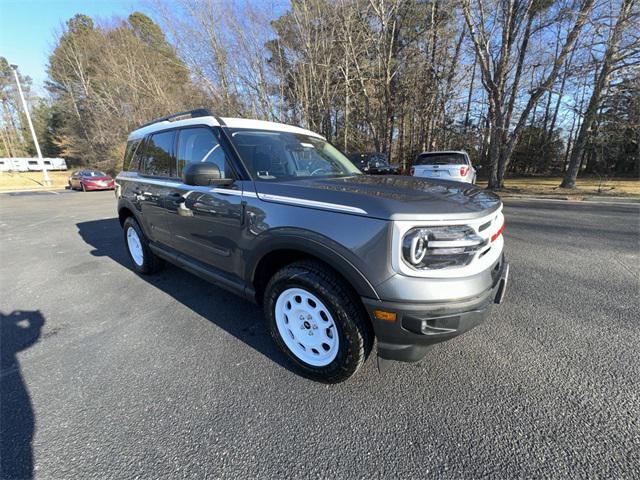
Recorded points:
(138, 194)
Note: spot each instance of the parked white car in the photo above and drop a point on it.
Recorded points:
(446, 165)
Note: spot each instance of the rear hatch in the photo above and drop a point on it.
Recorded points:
(443, 165)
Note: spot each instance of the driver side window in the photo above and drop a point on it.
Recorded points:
(197, 145)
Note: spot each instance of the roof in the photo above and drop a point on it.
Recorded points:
(440, 152)
(213, 122)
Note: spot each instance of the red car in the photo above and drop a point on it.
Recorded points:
(91, 180)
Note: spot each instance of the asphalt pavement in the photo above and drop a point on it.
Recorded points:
(107, 374)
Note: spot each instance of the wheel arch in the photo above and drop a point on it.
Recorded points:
(126, 210)
(123, 214)
(279, 252)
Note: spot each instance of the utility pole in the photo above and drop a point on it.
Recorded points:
(45, 175)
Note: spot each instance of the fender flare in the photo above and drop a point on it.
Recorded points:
(315, 245)
(125, 204)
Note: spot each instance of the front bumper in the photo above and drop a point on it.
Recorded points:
(95, 186)
(419, 326)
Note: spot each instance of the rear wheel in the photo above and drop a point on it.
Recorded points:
(317, 321)
(143, 259)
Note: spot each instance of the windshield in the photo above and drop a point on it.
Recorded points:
(441, 159)
(271, 155)
(93, 173)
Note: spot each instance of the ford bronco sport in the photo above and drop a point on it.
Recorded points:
(337, 259)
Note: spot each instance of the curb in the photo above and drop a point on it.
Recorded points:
(31, 190)
(578, 198)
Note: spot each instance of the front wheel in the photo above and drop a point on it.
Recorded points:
(317, 321)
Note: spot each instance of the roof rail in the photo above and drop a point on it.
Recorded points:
(198, 112)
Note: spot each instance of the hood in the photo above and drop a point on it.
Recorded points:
(389, 197)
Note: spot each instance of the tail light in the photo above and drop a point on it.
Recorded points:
(463, 171)
(412, 171)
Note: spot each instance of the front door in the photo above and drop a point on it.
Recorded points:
(205, 222)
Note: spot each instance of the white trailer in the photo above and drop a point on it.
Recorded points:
(34, 165)
(19, 164)
(49, 163)
(56, 163)
(5, 164)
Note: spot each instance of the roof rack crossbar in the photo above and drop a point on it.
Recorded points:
(198, 112)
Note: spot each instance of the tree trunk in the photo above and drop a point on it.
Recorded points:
(602, 81)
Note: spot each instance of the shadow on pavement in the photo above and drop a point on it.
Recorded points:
(18, 331)
(236, 316)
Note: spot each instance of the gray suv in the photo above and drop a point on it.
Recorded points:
(337, 259)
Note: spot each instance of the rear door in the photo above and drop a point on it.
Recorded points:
(205, 222)
(157, 175)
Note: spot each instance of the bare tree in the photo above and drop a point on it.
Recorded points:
(613, 55)
(515, 22)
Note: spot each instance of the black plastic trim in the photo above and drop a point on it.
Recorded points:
(205, 272)
(419, 326)
(291, 241)
(195, 113)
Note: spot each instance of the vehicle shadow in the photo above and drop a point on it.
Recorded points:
(18, 331)
(236, 316)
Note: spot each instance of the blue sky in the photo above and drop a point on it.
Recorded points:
(28, 28)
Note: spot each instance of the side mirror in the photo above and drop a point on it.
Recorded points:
(203, 175)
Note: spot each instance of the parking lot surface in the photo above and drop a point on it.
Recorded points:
(107, 374)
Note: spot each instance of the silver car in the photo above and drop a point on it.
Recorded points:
(446, 165)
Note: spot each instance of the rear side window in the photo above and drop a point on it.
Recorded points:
(197, 145)
(130, 155)
(158, 158)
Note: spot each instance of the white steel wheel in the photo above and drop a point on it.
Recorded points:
(135, 246)
(306, 327)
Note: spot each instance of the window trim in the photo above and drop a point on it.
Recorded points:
(134, 155)
(230, 158)
(147, 139)
(240, 171)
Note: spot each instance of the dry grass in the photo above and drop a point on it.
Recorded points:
(32, 180)
(586, 187)
(538, 186)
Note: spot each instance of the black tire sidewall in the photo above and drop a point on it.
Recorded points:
(146, 252)
(350, 350)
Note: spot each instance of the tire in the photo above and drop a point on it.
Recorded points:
(84, 189)
(319, 303)
(144, 261)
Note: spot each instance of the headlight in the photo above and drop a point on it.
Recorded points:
(441, 247)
